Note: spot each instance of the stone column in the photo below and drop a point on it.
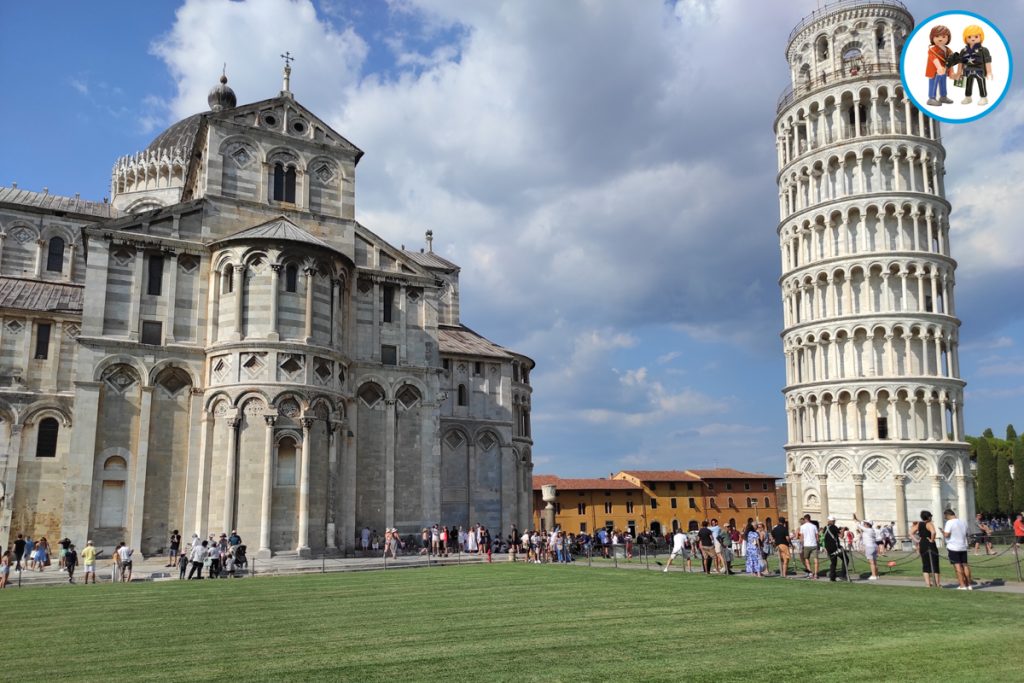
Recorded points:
(139, 480)
(213, 308)
(303, 547)
(961, 497)
(196, 440)
(858, 493)
(69, 276)
(348, 480)
(10, 481)
(335, 311)
(275, 293)
(334, 457)
(929, 434)
(900, 483)
(136, 297)
(389, 461)
(238, 284)
(823, 494)
(937, 497)
(172, 287)
(268, 487)
(309, 272)
(38, 265)
(228, 518)
(202, 520)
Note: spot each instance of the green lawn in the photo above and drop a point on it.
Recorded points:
(511, 622)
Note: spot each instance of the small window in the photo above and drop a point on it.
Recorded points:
(583, 527)
(674, 504)
(767, 502)
(883, 428)
(152, 332)
(607, 493)
(764, 486)
(446, 363)
(291, 278)
(693, 503)
(46, 438)
(714, 503)
(389, 303)
(55, 255)
(289, 185)
(156, 276)
(478, 368)
(629, 507)
(654, 503)
(581, 508)
(463, 398)
(607, 508)
(42, 341)
(389, 354)
(689, 486)
(731, 503)
(654, 486)
(227, 280)
(746, 486)
(711, 484)
(728, 486)
(672, 486)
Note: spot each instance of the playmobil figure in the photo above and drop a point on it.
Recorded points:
(938, 54)
(975, 64)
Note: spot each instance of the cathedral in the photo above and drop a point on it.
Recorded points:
(223, 346)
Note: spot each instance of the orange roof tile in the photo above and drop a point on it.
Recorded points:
(730, 473)
(582, 484)
(662, 475)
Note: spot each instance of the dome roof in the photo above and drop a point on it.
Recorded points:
(221, 96)
(180, 135)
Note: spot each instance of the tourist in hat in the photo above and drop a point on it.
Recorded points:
(833, 542)
(869, 537)
(89, 554)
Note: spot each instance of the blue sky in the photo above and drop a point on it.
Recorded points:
(604, 173)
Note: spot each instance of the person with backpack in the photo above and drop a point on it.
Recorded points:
(781, 539)
(833, 541)
(707, 546)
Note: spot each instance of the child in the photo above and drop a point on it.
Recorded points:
(938, 55)
(182, 565)
(70, 562)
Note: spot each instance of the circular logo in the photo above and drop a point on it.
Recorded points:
(956, 66)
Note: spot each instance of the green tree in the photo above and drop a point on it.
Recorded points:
(988, 433)
(1018, 476)
(1004, 485)
(1011, 433)
(987, 499)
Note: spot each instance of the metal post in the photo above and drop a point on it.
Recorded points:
(385, 558)
(1016, 554)
(589, 559)
(252, 572)
(323, 564)
(615, 557)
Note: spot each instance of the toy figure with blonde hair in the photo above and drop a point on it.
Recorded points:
(938, 54)
(975, 64)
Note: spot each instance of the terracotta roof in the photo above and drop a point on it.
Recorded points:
(55, 202)
(582, 484)
(464, 341)
(35, 295)
(729, 473)
(180, 135)
(429, 259)
(662, 475)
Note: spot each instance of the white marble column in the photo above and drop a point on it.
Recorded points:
(858, 493)
(139, 479)
(303, 546)
(228, 516)
(310, 281)
(268, 488)
(900, 484)
(275, 294)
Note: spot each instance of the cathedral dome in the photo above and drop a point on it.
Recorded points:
(221, 96)
(179, 135)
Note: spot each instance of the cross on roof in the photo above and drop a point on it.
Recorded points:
(288, 59)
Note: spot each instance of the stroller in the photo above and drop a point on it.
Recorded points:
(241, 561)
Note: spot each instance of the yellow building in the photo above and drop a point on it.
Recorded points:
(659, 500)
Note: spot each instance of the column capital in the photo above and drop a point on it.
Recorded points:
(858, 479)
(823, 478)
(900, 479)
(937, 479)
(233, 422)
(276, 267)
(239, 267)
(306, 422)
(270, 420)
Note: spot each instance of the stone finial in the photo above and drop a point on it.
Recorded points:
(430, 241)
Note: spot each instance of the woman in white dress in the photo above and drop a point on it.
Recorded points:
(471, 541)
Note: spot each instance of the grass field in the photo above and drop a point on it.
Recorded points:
(510, 623)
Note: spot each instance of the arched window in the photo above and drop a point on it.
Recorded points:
(46, 438)
(463, 399)
(291, 278)
(731, 503)
(55, 255)
(227, 282)
(112, 493)
(283, 183)
(286, 463)
(767, 502)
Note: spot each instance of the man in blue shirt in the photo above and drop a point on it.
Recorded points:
(716, 532)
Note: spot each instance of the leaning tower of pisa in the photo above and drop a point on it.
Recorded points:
(873, 393)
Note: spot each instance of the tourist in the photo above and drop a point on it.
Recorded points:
(234, 540)
(809, 539)
(485, 541)
(435, 540)
(364, 538)
(70, 562)
(182, 565)
(1018, 528)
(214, 556)
(375, 541)
(125, 553)
(19, 551)
(41, 554)
(395, 542)
(869, 539)
(29, 556)
(707, 546)
(628, 538)
(173, 548)
(198, 557)
(984, 536)
(924, 534)
(753, 557)
(424, 541)
(89, 554)
(833, 542)
(725, 543)
(5, 568)
(65, 544)
(955, 533)
(780, 537)
(680, 547)
(515, 537)
(471, 541)
(716, 535)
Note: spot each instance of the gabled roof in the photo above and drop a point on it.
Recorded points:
(341, 140)
(278, 229)
(36, 295)
(730, 473)
(662, 475)
(429, 259)
(582, 484)
(462, 340)
(55, 202)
